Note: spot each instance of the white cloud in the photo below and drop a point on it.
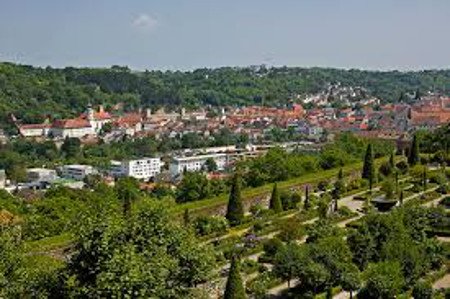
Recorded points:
(145, 22)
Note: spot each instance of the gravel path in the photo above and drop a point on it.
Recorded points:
(443, 283)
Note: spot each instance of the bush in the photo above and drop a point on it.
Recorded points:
(422, 290)
(386, 169)
(323, 185)
(206, 225)
(286, 201)
(259, 286)
(291, 230)
(403, 167)
(257, 210)
(272, 246)
(249, 266)
(345, 212)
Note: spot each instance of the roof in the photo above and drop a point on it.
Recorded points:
(34, 126)
(75, 123)
(100, 115)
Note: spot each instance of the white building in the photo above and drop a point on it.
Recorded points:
(142, 169)
(77, 172)
(41, 175)
(196, 163)
(2, 179)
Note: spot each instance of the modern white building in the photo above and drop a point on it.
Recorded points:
(142, 169)
(77, 172)
(2, 179)
(196, 163)
(41, 175)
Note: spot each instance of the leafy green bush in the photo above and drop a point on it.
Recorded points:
(206, 225)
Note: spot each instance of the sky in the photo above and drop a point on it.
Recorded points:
(189, 34)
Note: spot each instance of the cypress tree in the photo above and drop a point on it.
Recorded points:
(234, 288)
(396, 181)
(340, 174)
(368, 167)
(275, 201)
(391, 160)
(307, 204)
(186, 217)
(401, 197)
(425, 178)
(414, 156)
(235, 209)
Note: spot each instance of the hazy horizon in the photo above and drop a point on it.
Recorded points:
(186, 35)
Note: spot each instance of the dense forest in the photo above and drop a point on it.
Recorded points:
(31, 93)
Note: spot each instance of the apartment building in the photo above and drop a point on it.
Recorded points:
(77, 172)
(142, 169)
(196, 163)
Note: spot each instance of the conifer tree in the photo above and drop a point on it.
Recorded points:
(425, 178)
(275, 201)
(368, 171)
(391, 160)
(235, 209)
(414, 156)
(186, 217)
(401, 197)
(368, 163)
(307, 204)
(340, 174)
(234, 288)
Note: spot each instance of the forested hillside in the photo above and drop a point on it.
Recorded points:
(31, 92)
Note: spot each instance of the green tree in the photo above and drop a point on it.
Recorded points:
(388, 189)
(148, 255)
(71, 147)
(210, 165)
(287, 261)
(235, 208)
(422, 290)
(194, 186)
(275, 201)
(186, 218)
(383, 280)
(368, 171)
(127, 190)
(307, 203)
(350, 279)
(234, 288)
(414, 156)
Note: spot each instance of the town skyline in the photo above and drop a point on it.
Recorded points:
(179, 35)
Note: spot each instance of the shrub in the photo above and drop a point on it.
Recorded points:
(249, 266)
(257, 210)
(291, 229)
(323, 185)
(422, 290)
(272, 246)
(206, 225)
(403, 167)
(386, 169)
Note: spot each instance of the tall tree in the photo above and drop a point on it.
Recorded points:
(128, 192)
(235, 209)
(186, 218)
(275, 201)
(414, 156)
(425, 178)
(392, 160)
(234, 288)
(307, 204)
(368, 171)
